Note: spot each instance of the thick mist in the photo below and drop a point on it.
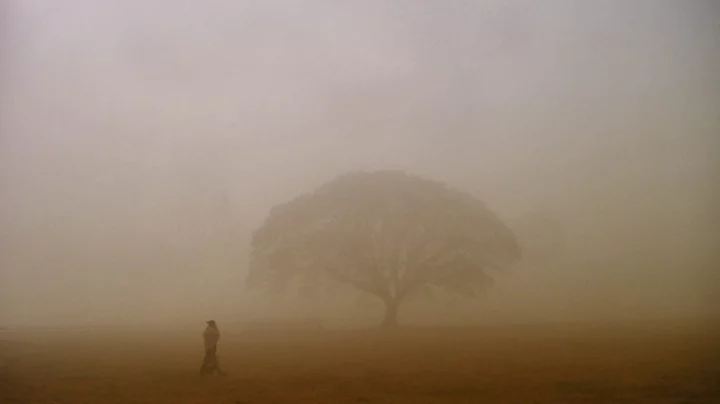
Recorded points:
(141, 142)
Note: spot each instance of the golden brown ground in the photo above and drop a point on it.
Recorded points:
(549, 364)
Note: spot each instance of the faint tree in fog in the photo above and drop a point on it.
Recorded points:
(386, 233)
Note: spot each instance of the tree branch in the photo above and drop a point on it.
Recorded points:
(373, 287)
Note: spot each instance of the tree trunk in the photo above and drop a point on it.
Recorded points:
(391, 314)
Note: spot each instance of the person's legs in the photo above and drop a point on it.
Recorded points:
(215, 364)
(210, 361)
(217, 368)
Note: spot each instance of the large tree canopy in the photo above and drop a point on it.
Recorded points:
(386, 233)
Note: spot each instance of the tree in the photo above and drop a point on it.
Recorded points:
(387, 233)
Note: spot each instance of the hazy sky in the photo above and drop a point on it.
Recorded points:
(142, 141)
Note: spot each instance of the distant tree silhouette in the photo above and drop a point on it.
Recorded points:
(387, 233)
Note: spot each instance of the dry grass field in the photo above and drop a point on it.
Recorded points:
(540, 364)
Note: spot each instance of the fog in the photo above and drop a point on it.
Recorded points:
(141, 142)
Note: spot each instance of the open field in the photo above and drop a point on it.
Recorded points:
(539, 364)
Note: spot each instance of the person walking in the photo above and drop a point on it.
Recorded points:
(211, 335)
